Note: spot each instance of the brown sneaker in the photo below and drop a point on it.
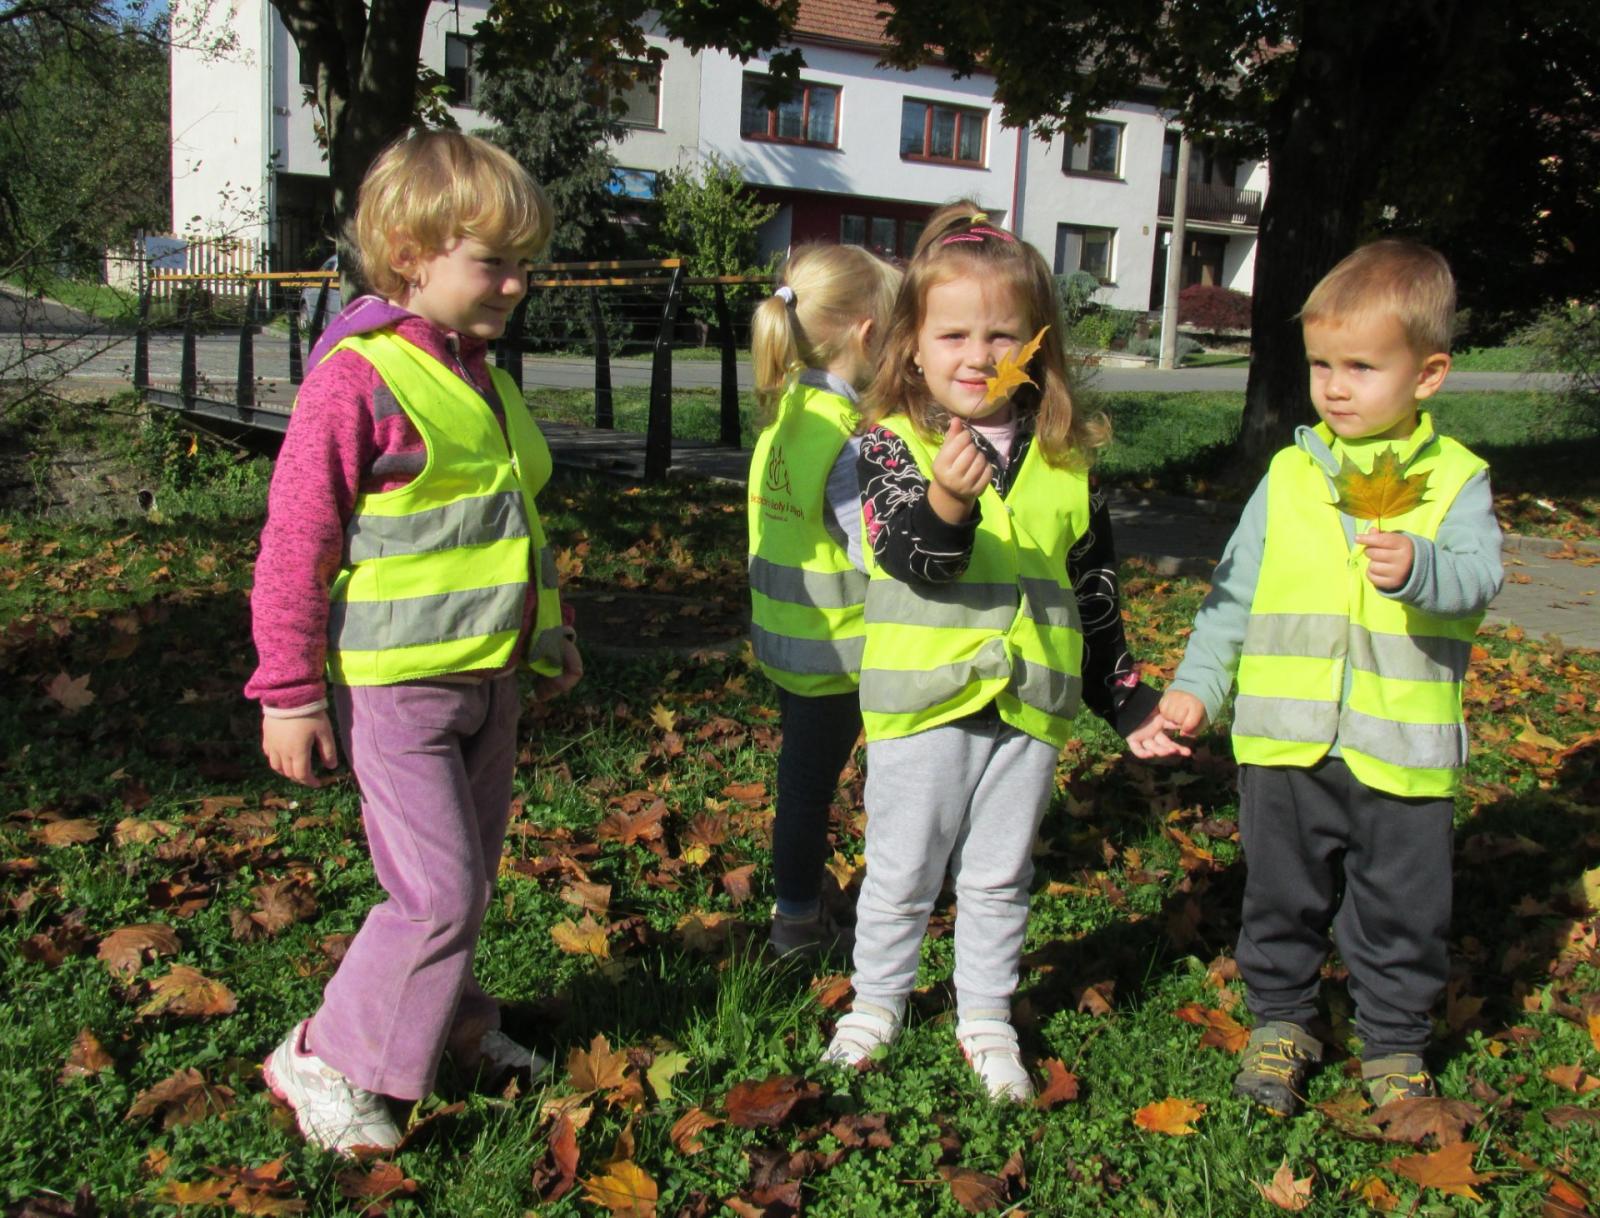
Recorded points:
(818, 935)
(1276, 1062)
(1399, 1076)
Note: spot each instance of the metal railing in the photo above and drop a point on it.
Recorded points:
(1212, 204)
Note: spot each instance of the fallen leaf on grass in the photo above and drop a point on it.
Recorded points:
(1414, 1121)
(736, 883)
(585, 938)
(422, 1127)
(554, 1180)
(1378, 1195)
(380, 1186)
(71, 693)
(686, 1130)
(1563, 1115)
(1284, 1191)
(666, 1067)
(123, 950)
(1170, 1116)
(1351, 1114)
(1223, 1031)
(746, 792)
(200, 1192)
(832, 992)
(187, 991)
(663, 718)
(1448, 1170)
(769, 1101)
(1532, 735)
(1564, 1200)
(590, 897)
(624, 1189)
(182, 1098)
(628, 828)
(974, 1191)
(86, 1058)
(1061, 1086)
(57, 833)
(1573, 1078)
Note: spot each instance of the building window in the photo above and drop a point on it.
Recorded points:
(886, 236)
(461, 70)
(942, 133)
(1079, 248)
(642, 97)
(308, 70)
(811, 116)
(1099, 153)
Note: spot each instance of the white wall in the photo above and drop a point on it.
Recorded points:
(867, 161)
(219, 123)
(1239, 260)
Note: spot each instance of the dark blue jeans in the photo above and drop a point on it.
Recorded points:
(818, 737)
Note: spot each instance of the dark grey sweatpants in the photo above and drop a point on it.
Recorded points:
(1325, 852)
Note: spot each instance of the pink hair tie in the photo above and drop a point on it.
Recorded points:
(977, 233)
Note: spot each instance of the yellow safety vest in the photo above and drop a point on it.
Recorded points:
(1401, 730)
(806, 624)
(435, 573)
(1006, 632)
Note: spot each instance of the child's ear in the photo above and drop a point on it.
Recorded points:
(1435, 368)
(405, 256)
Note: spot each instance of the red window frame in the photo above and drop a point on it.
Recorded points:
(771, 135)
(963, 115)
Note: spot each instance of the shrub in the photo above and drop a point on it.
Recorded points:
(1566, 338)
(1151, 347)
(1076, 294)
(1208, 307)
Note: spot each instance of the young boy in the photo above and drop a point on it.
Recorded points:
(1350, 639)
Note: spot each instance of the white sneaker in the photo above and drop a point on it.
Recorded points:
(990, 1047)
(331, 1111)
(861, 1032)
(499, 1054)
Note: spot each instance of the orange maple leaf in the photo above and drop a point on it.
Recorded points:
(1061, 1087)
(1385, 493)
(1010, 372)
(187, 991)
(1284, 1191)
(598, 1069)
(1223, 1031)
(686, 1130)
(1448, 1170)
(585, 938)
(1170, 1116)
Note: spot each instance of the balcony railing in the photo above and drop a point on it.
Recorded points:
(1214, 204)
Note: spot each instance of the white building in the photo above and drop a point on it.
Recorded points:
(863, 154)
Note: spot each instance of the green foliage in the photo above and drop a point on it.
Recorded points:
(1566, 338)
(711, 221)
(1076, 294)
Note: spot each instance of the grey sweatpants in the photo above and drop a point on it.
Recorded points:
(1326, 853)
(967, 797)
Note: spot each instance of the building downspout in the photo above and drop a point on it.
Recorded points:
(1016, 181)
(269, 188)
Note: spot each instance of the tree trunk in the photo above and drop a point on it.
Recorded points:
(1358, 71)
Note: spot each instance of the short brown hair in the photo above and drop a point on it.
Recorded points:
(1402, 279)
(958, 241)
(429, 188)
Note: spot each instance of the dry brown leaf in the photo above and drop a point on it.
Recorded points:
(585, 938)
(1564, 1200)
(1284, 1191)
(591, 897)
(974, 1191)
(766, 1102)
(1414, 1121)
(624, 1189)
(1449, 1170)
(378, 1184)
(71, 693)
(1377, 1195)
(1351, 1114)
(54, 834)
(832, 992)
(561, 1150)
(1061, 1086)
(746, 792)
(599, 1068)
(686, 1130)
(86, 1058)
(1223, 1031)
(200, 1192)
(629, 828)
(1170, 1116)
(1383, 494)
(1573, 1078)
(736, 883)
(182, 1098)
(123, 950)
(187, 991)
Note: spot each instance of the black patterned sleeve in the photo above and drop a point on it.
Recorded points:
(1111, 685)
(909, 540)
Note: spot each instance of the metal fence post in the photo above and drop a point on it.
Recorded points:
(187, 375)
(141, 341)
(244, 390)
(658, 431)
(319, 314)
(297, 368)
(604, 415)
(730, 373)
(508, 351)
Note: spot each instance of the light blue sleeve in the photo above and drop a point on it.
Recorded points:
(1211, 660)
(843, 518)
(1459, 572)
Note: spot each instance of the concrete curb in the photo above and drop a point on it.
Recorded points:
(1514, 542)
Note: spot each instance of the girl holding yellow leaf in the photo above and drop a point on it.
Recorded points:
(991, 609)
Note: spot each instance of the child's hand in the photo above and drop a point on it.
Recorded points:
(1389, 558)
(571, 673)
(289, 746)
(1150, 742)
(1184, 712)
(960, 472)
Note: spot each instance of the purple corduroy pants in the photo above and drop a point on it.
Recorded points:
(434, 761)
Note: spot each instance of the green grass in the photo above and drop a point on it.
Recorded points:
(163, 767)
(1217, 359)
(1495, 359)
(696, 413)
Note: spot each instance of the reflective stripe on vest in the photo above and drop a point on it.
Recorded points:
(1006, 632)
(805, 595)
(1317, 619)
(434, 578)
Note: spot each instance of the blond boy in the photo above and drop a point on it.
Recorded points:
(1349, 640)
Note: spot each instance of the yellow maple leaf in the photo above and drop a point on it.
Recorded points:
(624, 1189)
(1010, 373)
(663, 717)
(1385, 493)
(585, 938)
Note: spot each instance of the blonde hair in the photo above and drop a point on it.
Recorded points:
(429, 188)
(832, 289)
(959, 241)
(1395, 278)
